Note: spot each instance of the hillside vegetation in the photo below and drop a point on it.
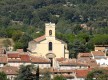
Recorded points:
(22, 19)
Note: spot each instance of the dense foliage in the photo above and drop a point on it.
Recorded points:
(23, 20)
(46, 76)
(26, 73)
(97, 74)
(59, 77)
(3, 76)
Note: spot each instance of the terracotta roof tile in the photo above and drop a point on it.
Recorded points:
(84, 55)
(69, 62)
(9, 70)
(99, 48)
(93, 64)
(13, 55)
(18, 57)
(35, 59)
(40, 38)
(60, 59)
(3, 58)
(98, 53)
(82, 73)
(25, 58)
(82, 64)
(88, 61)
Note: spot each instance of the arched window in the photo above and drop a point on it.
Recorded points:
(50, 46)
(50, 32)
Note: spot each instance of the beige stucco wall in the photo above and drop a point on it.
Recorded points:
(57, 48)
(67, 55)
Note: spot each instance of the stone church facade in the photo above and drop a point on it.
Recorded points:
(48, 45)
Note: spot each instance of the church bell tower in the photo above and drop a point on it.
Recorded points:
(50, 30)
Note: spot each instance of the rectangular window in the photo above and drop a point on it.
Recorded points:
(50, 46)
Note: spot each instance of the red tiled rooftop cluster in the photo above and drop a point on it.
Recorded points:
(22, 57)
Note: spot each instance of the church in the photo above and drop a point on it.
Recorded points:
(48, 45)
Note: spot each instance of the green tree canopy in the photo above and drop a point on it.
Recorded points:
(97, 74)
(59, 77)
(26, 73)
(3, 76)
(100, 39)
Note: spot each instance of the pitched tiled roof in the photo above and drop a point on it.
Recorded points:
(88, 61)
(9, 70)
(19, 57)
(3, 58)
(40, 38)
(82, 73)
(25, 58)
(74, 62)
(13, 55)
(84, 55)
(99, 48)
(60, 59)
(35, 59)
(82, 64)
(98, 53)
(69, 62)
(93, 63)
